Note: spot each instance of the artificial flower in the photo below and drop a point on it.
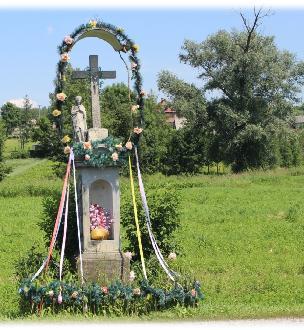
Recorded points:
(67, 150)
(115, 156)
(68, 40)
(74, 294)
(172, 256)
(142, 93)
(136, 291)
(56, 113)
(193, 293)
(133, 65)
(128, 255)
(87, 157)
(134, 108)
(61, 96)
(66, 139)
(132, 276)
(118, 146)
(105, 290)
(87, 145)
(137, 130)
(129, 145)
(92, 24)
(64, 57)
(59, 298)
(135, 48)
(54, 126)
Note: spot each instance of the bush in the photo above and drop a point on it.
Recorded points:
(20, 154)
(4, 171)
(164, 213)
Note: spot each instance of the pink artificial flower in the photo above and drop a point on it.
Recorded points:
(61, 96)
(87, 145)
(132, 276)
(105, 290)
(64, 57)
(118, 146)
(128, 255)
(68, 40)
(115, 156)
(137, 130)
(133, 65)
(193, 293)
(59, 300)
(87, 157)
(129, 145)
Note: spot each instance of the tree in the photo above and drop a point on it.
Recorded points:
(10, 115)
(25, 122)
(187, 147)
(254, 86)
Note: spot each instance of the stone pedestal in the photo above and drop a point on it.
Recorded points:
(102, 260)
(97, 134)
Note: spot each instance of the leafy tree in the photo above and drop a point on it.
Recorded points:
(10, 115)
(25, 122)
(254, 87)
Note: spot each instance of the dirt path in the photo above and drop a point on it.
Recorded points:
(24, 165)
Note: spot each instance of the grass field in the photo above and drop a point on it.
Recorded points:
(242, 237)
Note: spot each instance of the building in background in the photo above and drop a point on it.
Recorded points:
(171, 117)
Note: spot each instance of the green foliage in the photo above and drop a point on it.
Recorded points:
(102, 157)
(50, 208)
(4, 169)
(164, 213)
(11, 116)
(25, 125)
(254, 87)
(117, 299)
(20, 154)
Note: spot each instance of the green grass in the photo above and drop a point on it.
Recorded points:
(242, 237)
(13, 144)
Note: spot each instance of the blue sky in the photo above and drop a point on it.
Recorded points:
(29, 40)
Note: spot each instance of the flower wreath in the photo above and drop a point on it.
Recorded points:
(125, 45)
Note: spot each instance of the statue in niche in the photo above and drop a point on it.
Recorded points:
(79, 119)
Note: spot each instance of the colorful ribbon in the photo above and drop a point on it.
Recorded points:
(77, 217)
(60, 211)
(158, 253)
(137, 222)
(65, 227)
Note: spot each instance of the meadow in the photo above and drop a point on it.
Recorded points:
(242, 237)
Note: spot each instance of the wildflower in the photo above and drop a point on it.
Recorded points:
(172, 256)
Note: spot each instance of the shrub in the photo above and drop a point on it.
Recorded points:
(20, 154)
(164, 213)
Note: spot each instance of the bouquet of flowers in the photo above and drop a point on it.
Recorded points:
(100, 217)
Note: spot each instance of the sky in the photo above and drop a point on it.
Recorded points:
(29, 40)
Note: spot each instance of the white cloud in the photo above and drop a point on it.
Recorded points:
(20, 103)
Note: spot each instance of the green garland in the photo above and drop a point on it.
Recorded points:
(127, 46)
(101, 153)
(98, 299)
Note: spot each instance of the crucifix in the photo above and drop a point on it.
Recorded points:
(95, 75)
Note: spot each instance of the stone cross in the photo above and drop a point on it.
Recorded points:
(95, 74)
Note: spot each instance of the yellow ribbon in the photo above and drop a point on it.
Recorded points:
(136, 221)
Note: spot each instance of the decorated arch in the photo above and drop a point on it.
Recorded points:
(121, 43)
